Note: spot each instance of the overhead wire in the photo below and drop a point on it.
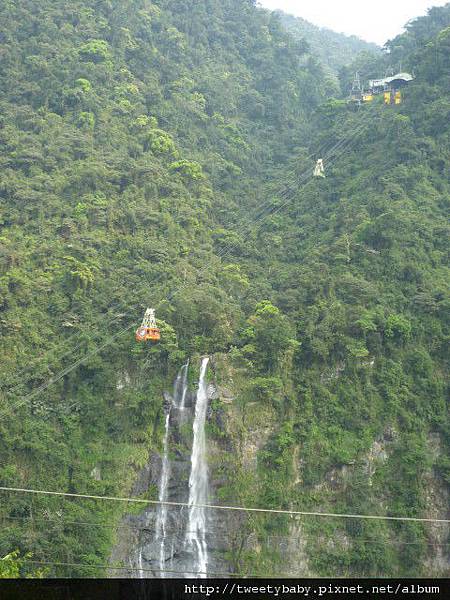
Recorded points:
(218, 256)
(217, 534)
(279, 511)
(265, 206)
(19, 374)
(68, 369)
(106, 315)
(96, 350)
(68, 408)
(295, 178)
(64, 371)
(277, 209)
(339, 146)
(121, 304)
(307, 174)
(131, 568)
(183, 574)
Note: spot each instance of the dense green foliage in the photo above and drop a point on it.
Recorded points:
(12, 565)
(138, 141)
(358, 263)
(405, 52)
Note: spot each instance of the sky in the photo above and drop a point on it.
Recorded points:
(372, 20)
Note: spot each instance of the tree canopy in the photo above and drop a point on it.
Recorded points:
(153, 154)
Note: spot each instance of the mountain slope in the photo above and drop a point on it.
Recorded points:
(130, 131)
(403, 52)
(334, 50)
(359, 265)
(140, 141)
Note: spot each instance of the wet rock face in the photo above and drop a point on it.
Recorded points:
(147, 476)
(437, 499)
(146, 554)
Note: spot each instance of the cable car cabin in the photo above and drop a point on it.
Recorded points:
(148, 331)
(148, 334)
(393, 97)
(319, 169)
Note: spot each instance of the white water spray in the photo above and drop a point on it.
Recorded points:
(140, 570)
(198, 480)
(161, 516)
(180, 387)
(179, 394)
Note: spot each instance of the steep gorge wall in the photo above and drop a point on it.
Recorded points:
(243, 431)
(139, 140)
(238, 436)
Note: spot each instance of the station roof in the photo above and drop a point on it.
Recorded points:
(398, 77)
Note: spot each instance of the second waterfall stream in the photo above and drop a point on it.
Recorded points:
(161, 517)
(198, 480)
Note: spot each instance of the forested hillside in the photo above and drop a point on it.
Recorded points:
(334, 50)
(403, 52)
(139, 142)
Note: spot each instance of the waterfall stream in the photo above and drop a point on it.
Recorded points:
(140, 569)
(180, 387)
(198, 481)
(161, 516)
(179, 395)
(179, 544)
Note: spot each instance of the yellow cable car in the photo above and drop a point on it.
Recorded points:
(387, 97)
(398, 97)
(148, 330)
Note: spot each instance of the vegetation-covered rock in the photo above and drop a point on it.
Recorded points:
(140, 142)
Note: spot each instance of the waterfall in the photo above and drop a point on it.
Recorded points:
(179, 395)
(184, 385)
(140, 569)
(161, 516)
(179, 542)
(180, 387)
(198, 480)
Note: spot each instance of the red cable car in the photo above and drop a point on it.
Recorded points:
(148, 330)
